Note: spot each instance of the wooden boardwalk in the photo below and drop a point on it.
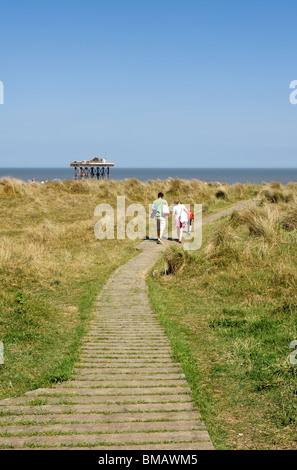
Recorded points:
(127, 393)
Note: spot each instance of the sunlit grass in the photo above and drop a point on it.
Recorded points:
(52, 266)
(231, 313)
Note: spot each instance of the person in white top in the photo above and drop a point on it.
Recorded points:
(181, 218)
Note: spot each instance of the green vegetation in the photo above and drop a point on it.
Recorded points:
(229, 308)
(51, 270)
(52, 266)
(230, 311)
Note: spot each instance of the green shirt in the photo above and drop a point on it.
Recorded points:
(159, 203)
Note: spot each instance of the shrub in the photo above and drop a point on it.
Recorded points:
(239, 190)
(261, 221)
(222, 193)
(271, 195)
(289, 218)
(275, 185)
(288, 196)
(223, 242)
(175, 258)
(14, 187)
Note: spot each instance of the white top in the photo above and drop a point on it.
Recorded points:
(178, 209)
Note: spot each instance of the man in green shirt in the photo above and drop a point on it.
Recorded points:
(161, 221)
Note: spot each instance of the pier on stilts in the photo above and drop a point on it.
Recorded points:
(97, 168)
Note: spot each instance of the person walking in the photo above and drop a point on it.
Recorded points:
(181, 218)
(190, 219)
(159, 204)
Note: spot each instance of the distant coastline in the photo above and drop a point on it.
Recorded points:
(228, 175)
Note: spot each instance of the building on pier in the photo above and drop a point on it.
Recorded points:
(96, 168)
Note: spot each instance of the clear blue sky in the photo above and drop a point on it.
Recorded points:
(163, 83)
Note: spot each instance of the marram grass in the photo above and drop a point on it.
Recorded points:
(231, 314)
(230, 309)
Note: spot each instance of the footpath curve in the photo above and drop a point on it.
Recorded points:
(127, 393)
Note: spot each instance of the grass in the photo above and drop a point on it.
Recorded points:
(51, 270)
(230, 311)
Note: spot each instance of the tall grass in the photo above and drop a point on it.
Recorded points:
(133, 189)
(231, 314)
(51, 269)
(52, 266)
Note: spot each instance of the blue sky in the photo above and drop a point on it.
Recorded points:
(150, 83)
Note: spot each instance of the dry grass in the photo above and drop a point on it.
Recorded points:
(231, 314)
(133, 189)
(289, 217)
(223, 243)
(260, 221)
(51, 269)
(52, 266)
(221, 193)
(175, 259)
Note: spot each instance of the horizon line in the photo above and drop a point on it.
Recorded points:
(154, 168)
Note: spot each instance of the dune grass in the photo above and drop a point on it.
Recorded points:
(51, 269)
(52, 266)
(230, 311)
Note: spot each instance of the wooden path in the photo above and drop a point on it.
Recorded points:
(127, 392)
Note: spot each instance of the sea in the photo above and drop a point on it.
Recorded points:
(228, 175)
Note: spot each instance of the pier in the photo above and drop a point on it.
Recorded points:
(96, 168)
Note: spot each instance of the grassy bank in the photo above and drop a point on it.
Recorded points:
(52, 267)
(230, 310)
